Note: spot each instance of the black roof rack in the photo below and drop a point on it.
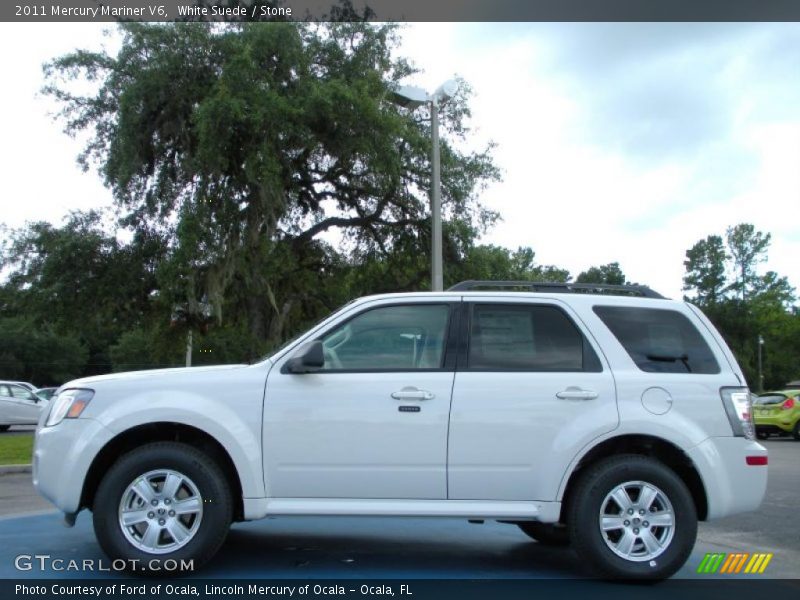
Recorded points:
(560, 288)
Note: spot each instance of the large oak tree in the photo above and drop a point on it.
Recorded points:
(246, 145)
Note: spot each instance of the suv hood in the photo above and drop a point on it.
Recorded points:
(163, 374)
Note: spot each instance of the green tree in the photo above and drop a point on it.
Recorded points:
(747, 248)
(79, 280)
(496, 263)
(39, 354)
(754, 307)
(605, 274)
(705, 270)
(243, 143)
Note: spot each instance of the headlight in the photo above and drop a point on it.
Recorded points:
(68, 404)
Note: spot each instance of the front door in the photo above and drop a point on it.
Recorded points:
(372, 423)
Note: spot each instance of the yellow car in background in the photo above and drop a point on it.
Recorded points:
(777, 413)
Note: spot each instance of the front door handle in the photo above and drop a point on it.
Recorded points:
(412, 393)
(576, 393)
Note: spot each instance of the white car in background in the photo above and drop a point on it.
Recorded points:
(19, 405)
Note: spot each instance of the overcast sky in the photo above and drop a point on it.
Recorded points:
(618, 142)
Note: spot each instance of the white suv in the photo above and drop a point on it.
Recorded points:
(606, 417)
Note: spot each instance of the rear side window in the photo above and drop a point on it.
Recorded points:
(515, 337)
(768, 400)
(658, 340)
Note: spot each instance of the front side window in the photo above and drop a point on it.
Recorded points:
(659, 340)
(390, 338)
(516, 337)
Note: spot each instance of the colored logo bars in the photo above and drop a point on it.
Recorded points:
(736, 562)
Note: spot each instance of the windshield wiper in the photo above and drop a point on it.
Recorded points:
(684, 358)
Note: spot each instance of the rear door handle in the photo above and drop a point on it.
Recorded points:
(575, 393)
(412, 393)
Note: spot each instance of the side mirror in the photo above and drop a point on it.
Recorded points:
(308, 358)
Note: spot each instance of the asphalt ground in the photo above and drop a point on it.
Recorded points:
(378, 548)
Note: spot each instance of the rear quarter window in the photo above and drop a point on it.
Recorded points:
(659, 340)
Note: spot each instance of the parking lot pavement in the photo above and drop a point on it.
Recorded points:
(18, 496)
(319, 547)
(775, 527)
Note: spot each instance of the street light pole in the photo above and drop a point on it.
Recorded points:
(437, 279)
(760, 365)
(412, 98)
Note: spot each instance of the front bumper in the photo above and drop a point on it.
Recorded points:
(62, 456)
(732, 485)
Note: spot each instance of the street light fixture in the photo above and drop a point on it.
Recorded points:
(412, 97)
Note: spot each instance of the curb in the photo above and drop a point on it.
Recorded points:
(14, 469)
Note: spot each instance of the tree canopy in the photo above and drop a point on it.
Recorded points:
(749, 308)
(261, 177)
(242, 145)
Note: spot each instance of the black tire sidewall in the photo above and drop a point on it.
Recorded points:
(203, 471)
(586, 535)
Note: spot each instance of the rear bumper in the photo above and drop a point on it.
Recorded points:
(62, 456)
(784, 424)
(772, 429)
(732, 485)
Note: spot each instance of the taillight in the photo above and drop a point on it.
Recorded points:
(738, 407)
(788, 405)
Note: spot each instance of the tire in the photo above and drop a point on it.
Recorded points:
(547, 534)
(796, 431)
(4, 428)
(194, 533)
(606, 553)
(761, 435)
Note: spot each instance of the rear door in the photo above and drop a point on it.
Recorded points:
(531, 390)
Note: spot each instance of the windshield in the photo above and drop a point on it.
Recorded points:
(305, 330)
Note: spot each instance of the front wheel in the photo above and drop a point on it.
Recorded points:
(4, 428)
(632, 517)
(165, 500)
(796, 431)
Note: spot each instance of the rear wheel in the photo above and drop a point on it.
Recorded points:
(632, 517)
(548, 534)
(796, 431)
(761, 435)
(163, 501)
(4, 428)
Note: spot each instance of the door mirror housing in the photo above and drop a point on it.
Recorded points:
(308, 358)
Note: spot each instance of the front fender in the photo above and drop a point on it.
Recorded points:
(237, 431)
